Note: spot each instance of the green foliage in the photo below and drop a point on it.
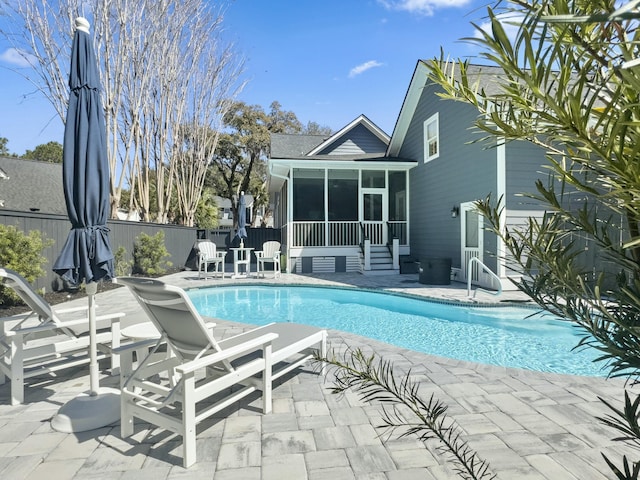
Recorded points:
(375, 381)
(4, 151)
(149, 253)
(23, 253)
(569, 88)
(47, 152)
(207, 211)
(121, 265)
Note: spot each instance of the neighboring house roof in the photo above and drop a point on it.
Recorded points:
(28, 185)
(486, 76)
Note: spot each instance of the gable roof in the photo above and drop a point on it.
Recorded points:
(484, 74)
(359, 139)
(28, 185)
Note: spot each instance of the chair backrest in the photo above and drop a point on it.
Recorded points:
(173, 313)
(207, 248)
(25, 291)
(270, 248)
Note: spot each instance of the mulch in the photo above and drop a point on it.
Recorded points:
(54, 298)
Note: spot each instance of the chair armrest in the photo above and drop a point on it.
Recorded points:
(221, 254)
(71, 309)
(259, 253)
(114, 317)
(235, 351)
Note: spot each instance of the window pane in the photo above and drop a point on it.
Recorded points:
(397, 196)
(373, 179)
(343, 195)
(471, 229)
(433, 148)
(372, 207)
(308, 199)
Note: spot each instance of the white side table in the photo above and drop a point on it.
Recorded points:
(138, 332)
(241, 256)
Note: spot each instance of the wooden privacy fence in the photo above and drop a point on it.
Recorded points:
(179, 240)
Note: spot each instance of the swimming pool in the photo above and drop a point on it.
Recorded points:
(505, 336)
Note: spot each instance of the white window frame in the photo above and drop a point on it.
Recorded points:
(429, 141)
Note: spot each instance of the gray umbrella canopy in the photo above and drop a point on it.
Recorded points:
(242, 217)
(86, 255)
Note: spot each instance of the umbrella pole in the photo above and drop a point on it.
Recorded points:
(92, 289)
(98, 407)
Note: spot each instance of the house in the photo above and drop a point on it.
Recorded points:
(341, 201)
(452, 173)
(31, 186)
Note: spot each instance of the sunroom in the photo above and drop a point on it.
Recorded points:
(341, 204)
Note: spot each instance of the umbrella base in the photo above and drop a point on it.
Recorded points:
(86, 412)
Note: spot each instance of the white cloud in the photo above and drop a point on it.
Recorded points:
(363, 67)
(16, 57)
(510, 22)
(422, 7)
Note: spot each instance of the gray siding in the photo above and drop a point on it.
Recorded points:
(523, 168)
(356, 141)
(461, 173)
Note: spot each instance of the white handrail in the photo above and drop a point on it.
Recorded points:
(486, 269)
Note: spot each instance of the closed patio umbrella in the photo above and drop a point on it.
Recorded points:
(242, 219)
(86, 256)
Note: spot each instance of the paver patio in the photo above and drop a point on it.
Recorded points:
(527, 425)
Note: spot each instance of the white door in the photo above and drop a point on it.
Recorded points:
(375, 213)
(471, 229)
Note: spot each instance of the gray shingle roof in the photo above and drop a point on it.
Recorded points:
(31, 186)
(293, 146)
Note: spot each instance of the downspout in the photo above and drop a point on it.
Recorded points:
(289, 206)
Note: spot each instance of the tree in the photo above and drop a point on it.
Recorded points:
(4, 151)
(239, 163)
(47, 152)
(571, 88)
(156, 58)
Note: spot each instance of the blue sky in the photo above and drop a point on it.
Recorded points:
(328, 61)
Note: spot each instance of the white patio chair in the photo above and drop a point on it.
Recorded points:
(203, 375)
(270, 253)
(40, 341)
(208, 255)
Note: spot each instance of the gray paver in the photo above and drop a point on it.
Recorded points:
(525, 424)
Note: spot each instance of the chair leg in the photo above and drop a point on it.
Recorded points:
(267, 398)
(126, 412)
(17, 367)
(188, 421)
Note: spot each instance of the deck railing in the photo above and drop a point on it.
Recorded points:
(344, 234)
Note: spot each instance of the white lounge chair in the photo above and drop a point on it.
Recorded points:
(204, 375)
(209, 255)
(40, 341)
(270, 253)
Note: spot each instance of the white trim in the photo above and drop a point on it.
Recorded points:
(372, 127)
(435, 118)
(501, 192)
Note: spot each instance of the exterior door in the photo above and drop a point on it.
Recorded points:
(471, 238)
(375, 213)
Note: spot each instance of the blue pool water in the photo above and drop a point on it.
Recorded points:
(505, 336)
